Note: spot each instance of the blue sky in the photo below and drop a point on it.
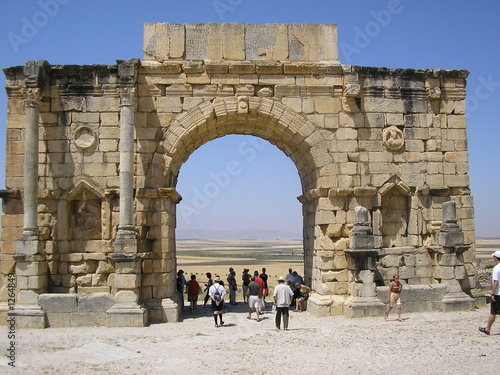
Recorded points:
(241, 182)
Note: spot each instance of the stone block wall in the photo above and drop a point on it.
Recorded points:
(392, 141)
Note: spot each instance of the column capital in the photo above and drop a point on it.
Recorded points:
(127, 95)
(32, 96)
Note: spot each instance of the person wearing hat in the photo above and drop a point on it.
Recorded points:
(282, 297)
(217, 293)
(495, 294)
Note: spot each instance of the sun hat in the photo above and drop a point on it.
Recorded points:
(281, 278)
(496, 254)
(217, 278)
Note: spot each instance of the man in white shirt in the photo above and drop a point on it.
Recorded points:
(282, 296)
(495, 294)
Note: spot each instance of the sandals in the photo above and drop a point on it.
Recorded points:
(483, 330)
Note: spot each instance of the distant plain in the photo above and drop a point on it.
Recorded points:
(277, 256)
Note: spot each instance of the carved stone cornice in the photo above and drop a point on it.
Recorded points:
(170, 193)
(10, 194)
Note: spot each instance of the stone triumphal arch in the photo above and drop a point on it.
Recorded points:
(94, 152)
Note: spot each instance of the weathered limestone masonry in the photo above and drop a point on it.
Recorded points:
(94, 153)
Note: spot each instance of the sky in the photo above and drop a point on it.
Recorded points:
(241, 182)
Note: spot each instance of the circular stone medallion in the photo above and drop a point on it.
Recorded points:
(393, 138)
(85, 137)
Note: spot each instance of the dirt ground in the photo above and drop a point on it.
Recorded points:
(425, 343)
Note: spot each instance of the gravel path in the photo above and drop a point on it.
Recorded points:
(425, 343)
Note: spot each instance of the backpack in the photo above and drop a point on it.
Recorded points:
(217, 295)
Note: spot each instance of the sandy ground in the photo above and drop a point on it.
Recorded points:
(425, 343)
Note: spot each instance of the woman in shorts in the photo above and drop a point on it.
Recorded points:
(393, 296)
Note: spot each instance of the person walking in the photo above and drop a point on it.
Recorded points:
(208, 284)
(217, 293)
(231, 282)
(259, 281)
(254, 295)
(265, 291)
(282, 297)
(393, 296)
(193, 290)
(495, 294)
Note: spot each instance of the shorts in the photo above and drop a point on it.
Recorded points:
(192, 298)
(394, 298)
(218, 307)
(495, 306)
(254, 302)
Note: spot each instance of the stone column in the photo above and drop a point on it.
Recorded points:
(127, 310)
(363, 299)
(450, 268)
(31, 264)
(126, 238)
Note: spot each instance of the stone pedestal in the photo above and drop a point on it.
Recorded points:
(31, 280)
(455, 299)
(363, 299)
(451, 240)
(127, 311)
(319, 305)
(27, 313)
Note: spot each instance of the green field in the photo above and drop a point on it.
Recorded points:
(216, 256)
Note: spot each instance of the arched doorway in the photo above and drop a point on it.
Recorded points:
(239, 209)
(261, 117)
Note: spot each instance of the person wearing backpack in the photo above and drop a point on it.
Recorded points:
(217, 293)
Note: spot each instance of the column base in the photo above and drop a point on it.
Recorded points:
(319, 305)
(126, 315)
(457, 301)
(28, 316)
(166, 310)
(355, 307)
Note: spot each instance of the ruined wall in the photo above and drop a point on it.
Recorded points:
(392, 141)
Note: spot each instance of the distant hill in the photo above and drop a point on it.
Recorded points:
(244, 234)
